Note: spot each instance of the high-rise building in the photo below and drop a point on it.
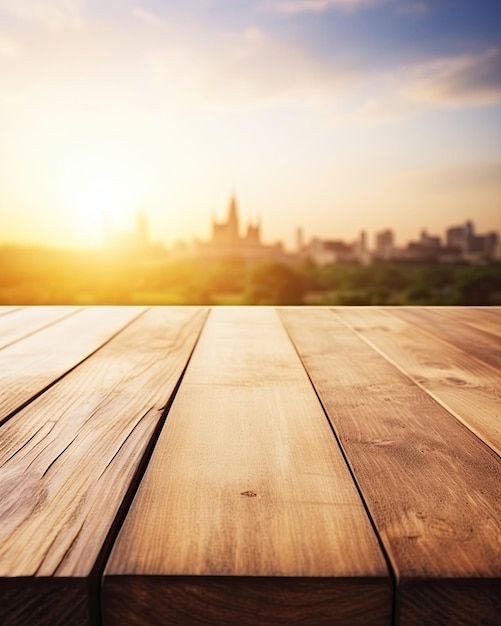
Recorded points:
(460, 236)
(384, 243)
(468, 242)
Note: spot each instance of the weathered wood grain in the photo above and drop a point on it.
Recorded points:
(31, 365)
(246, 482)
(474, 341)
(467, 387)
(30, 320)
(69, 461)
(432, 487)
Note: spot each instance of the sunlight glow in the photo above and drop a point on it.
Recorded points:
(102, 181)
(117, 108)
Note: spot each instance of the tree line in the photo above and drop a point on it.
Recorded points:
(45, 276)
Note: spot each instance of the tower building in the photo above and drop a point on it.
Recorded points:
(226, 238)
(227, 234)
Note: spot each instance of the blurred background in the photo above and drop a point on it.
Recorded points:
(266, 152)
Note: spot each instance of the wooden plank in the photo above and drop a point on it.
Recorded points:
(474, 341)
(30, 320)
(30, 366)
(483, 319)
(433, 488)
(247, 512)
(468, 388)
(69, 462)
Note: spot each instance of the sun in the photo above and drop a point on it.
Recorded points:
(102, 182)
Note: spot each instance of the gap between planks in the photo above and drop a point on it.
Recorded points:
(247, 490)
(30, 321)
(33, 365)
(465, 386)
(80, 449)
(486, 319)
(432, 487)
(475, 342)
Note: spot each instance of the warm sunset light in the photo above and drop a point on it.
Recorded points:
(100, 183)
(333, 116)
(126, 126)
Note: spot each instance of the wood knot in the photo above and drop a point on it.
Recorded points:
(249, 494)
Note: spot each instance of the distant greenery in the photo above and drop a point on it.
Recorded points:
(42, 276)
(408, 284)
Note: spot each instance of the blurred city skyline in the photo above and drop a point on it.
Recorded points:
(330, 115)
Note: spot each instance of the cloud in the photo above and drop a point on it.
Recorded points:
(53, 15)
(457, 81)
(244, 68)
(253, 66)
(167, 64)
(318, 6)
(461, 81)
(401, 7)
(149, 18)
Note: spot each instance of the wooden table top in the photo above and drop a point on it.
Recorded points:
(250, 465)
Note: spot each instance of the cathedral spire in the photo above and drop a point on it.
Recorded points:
(233, 208)
(233, 219)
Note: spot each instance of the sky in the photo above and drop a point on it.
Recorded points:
(330, 115)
